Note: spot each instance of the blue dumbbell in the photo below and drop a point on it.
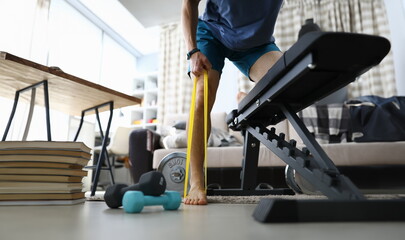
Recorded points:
(134, 201)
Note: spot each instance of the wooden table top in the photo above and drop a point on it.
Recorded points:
(67, 93)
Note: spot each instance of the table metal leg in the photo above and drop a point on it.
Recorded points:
(30, 113)
(103, 153)
(106, 152)
(48, 118)
(46, 101)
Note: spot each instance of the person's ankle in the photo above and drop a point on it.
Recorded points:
(197, 184)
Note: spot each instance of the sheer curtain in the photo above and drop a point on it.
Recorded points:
(174, 84)
(358, 16)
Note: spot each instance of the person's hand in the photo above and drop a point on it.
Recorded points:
(198, 63)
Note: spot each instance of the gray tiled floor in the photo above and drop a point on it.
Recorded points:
(94, 220)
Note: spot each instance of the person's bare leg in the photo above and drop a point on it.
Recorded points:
(197, 194)
(260, 68)
(263, 64)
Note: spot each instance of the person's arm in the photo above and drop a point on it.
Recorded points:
(189, 15)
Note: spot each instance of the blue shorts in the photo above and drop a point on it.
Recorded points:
(216, 52)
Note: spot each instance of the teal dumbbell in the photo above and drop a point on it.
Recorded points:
(134, 201)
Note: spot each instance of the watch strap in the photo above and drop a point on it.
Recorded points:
(192, 52)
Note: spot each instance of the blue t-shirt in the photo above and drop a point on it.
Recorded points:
(242, 24)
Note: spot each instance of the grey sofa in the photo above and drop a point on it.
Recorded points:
(376, 166)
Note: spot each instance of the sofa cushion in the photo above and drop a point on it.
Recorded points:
(222, 157)
(366, 154)
(218, 138)
(217, 120)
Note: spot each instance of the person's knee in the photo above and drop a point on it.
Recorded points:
(263, 64)
(213, 82)
(200, 101)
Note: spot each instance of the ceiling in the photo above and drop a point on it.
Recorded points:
(152, 13)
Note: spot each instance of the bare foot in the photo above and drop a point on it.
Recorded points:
(240, 96)
(196, 196)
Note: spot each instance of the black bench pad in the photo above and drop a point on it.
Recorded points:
(337, 58)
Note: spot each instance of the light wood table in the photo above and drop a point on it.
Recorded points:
(67, 93)
(55, 89)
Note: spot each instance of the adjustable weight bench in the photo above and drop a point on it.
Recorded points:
(318, 64)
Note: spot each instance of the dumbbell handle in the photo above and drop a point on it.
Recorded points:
(134, 187)
(134, 201)
(153, 200)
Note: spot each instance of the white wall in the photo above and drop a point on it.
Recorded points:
(396, 18)
(147, 63)
(227, 90)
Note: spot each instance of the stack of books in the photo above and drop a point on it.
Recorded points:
(42, 172)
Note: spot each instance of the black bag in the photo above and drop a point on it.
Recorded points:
(377, 119)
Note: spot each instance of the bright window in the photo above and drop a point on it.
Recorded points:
(17, 18)
(75, 43)
(118, 66)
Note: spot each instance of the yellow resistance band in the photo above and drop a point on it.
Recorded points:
(191, 127)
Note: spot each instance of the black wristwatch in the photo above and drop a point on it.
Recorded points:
(192, 52)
